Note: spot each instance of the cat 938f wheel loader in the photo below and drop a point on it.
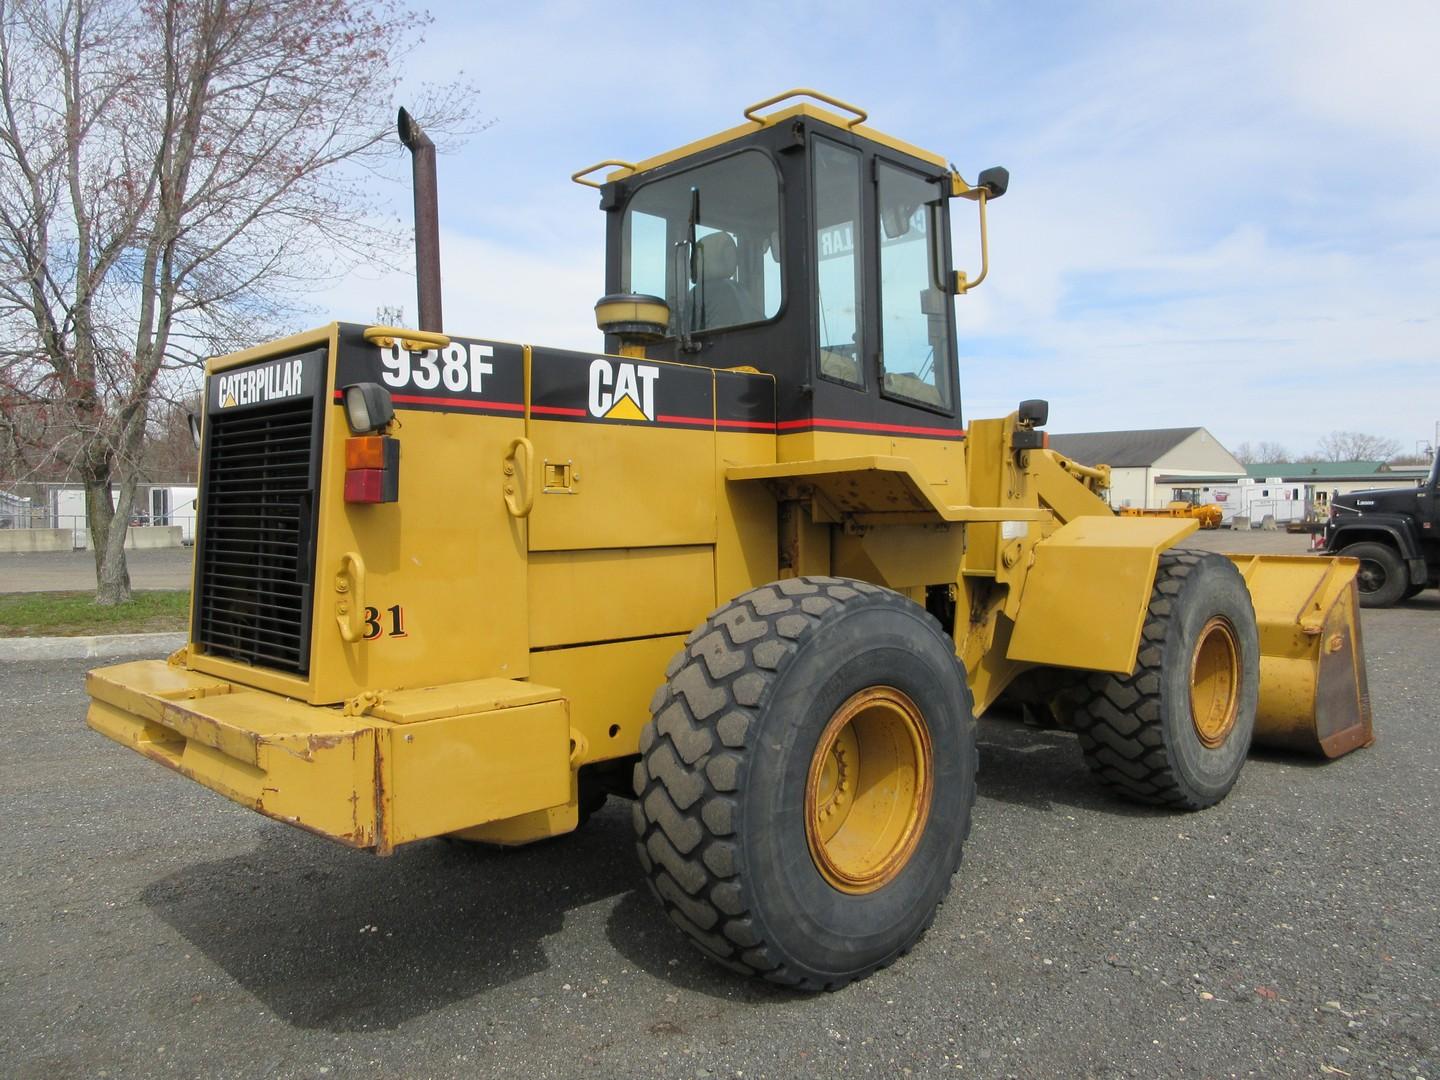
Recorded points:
(748, 566)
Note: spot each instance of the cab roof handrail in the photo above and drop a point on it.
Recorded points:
(804, 91)
(578, 177)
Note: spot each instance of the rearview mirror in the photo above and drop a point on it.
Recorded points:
(1034, 412)
(995, 180)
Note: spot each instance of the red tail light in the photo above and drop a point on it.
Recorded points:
(372, 469)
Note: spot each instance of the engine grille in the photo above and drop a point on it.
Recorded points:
(255, 547)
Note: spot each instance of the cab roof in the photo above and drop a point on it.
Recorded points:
(805, 110)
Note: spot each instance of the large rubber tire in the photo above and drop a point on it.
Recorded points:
(721, 811)
(1412, 591)
(1138, 731)
(1382, 579)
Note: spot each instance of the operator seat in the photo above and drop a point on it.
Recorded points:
(717, 299)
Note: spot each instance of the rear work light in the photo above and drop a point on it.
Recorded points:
(368, 407)
(372, 469)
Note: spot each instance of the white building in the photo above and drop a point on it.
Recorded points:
(1144, 465)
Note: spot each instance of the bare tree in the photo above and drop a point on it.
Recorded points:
(1357, 446)
(169, 451)
(1261, 453)
(1416, 458)
(170, 173)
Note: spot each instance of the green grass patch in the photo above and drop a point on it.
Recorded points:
(75, 614)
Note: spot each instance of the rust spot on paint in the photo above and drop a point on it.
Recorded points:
(382, 841)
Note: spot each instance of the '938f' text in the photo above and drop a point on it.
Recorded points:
(458, 368)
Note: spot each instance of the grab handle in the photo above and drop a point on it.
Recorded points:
(520, 477)
(350, 590)
(410, 340)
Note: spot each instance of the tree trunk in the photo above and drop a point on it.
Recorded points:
(108, 523)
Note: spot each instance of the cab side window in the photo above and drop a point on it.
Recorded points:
(732, 276)
(838, 261)
(914, 309)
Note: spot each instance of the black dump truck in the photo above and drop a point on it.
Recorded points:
(1394, 534)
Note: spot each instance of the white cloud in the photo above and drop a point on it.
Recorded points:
(489, 290)
(1225, 215)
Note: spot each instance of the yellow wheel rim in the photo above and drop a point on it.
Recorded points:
(867, 796)
(1215, 682)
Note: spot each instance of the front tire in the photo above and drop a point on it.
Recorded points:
(1176, 730)
(1382, 579)
(806, 782)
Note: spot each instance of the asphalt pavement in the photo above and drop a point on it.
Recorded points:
(151, 928)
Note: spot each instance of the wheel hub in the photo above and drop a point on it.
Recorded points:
(1371, 576)
(1215, 682)
(868, 793)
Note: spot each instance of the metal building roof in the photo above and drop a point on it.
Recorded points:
(1121, 449)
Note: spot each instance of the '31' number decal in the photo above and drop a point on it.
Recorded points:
(374, 628)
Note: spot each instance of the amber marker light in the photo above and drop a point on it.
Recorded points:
(365, 452)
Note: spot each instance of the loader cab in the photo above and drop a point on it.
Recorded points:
(807, 246)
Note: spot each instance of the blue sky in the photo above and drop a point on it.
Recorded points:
(1219, 214)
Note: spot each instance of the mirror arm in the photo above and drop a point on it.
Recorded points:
(962, 283)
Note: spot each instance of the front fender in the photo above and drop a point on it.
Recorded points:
(1391, 528)
(1086, 593)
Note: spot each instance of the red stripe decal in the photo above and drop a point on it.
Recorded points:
(452, 403)
(808, 424)
(864, 425)
(557, 410)
(461, 403)
(750, 425)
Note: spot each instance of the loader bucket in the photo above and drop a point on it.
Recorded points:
(1313, 694)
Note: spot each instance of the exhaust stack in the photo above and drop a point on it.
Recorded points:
(427, 220)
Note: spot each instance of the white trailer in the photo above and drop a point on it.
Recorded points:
(156, 504)
(67, 511)
(1275, 498)
(173, 505)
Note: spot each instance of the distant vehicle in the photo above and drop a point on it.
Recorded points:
(1208, 514)
(1394, 533)
(1256, 500)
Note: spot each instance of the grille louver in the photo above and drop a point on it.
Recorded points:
(255, 550)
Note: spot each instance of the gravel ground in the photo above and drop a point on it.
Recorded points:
(74, 571)
(148, 927)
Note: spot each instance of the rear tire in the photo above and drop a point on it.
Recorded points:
(1412, 591)
(1176, 730)
(1382, 579)
(760, 827)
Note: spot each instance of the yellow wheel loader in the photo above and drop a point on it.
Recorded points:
(1207, 514)
(748, 566)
